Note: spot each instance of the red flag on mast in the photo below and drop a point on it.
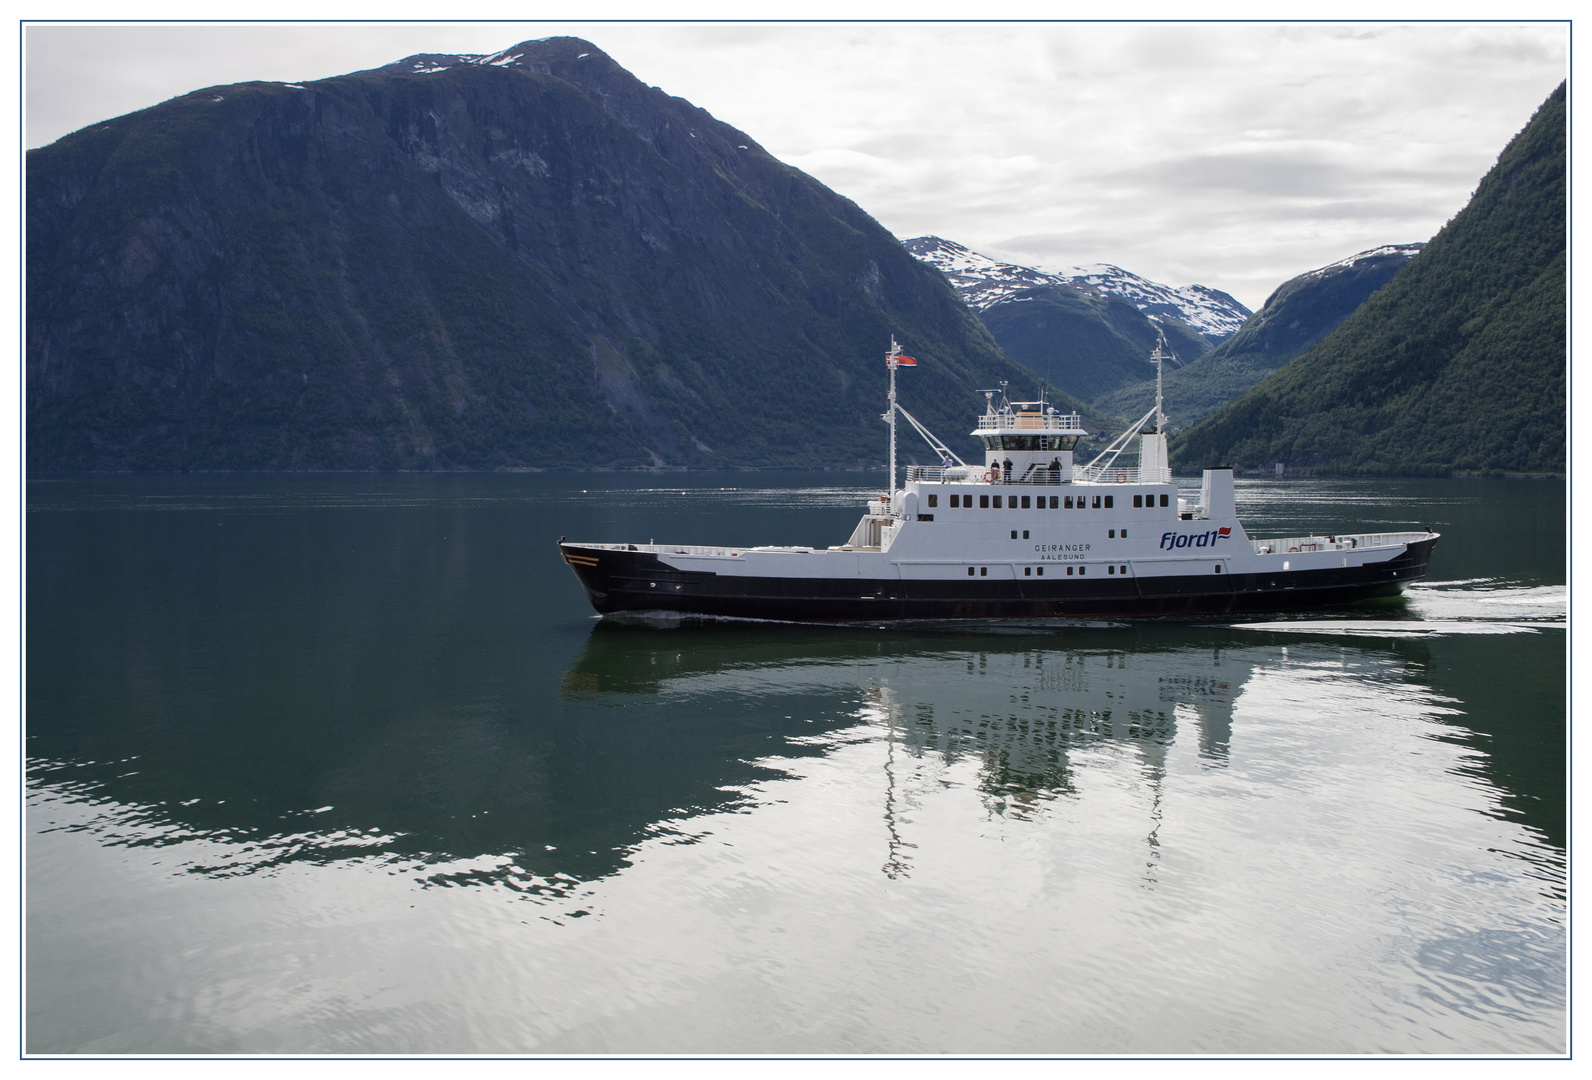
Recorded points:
(905, 361)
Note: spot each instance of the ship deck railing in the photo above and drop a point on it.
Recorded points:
(1081, 474)
(1343, 542)
(1120, 474)
(1029, 421)
(699, 549)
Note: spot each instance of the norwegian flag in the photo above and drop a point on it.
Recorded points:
(905, 361)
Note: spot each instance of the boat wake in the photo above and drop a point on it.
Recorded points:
(1445, 608)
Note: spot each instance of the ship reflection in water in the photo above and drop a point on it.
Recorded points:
(1026, 714)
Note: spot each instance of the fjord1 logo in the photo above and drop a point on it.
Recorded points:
(1198, 540)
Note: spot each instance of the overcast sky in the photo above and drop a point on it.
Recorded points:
(1222, 154)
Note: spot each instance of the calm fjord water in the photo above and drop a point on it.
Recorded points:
(344, 764)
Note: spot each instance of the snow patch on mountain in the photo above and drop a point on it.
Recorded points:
(983, 282)
(1407, 251)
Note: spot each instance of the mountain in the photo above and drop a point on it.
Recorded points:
(983, 282)
(525, 259)
(1088, 329)
(1456, 365)
(1298, 314)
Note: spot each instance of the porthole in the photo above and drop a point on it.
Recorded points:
(1028, 571)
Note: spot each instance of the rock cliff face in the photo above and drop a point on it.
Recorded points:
(528, 259)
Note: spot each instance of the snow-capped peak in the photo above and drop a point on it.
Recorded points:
(983, 282)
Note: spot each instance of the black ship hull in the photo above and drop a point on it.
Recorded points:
(618, 580)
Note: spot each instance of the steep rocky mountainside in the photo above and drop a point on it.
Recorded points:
(1298, 314)
(1087, 329)
(1457, 364)
(527, 259)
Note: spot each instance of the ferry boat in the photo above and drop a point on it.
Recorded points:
(1025, 534)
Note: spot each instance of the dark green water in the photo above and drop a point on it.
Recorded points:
(344, 764)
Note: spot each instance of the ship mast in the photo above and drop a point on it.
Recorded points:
(890, 361)
(1158, 356)
(893, 359)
